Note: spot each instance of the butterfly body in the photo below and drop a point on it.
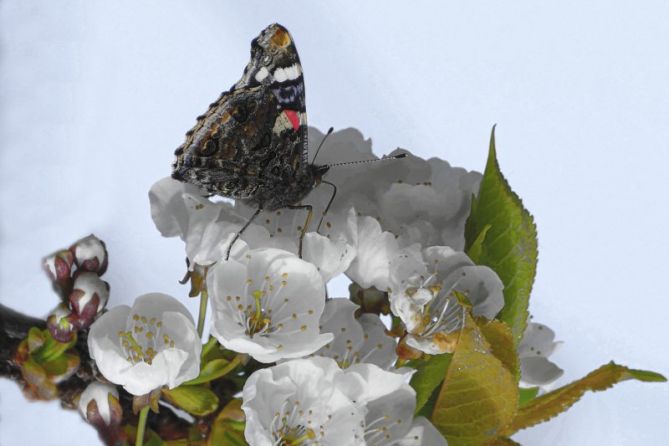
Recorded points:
(251, 144)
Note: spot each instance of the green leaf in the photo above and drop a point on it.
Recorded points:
(501, 234)
(476, 249)
(213, 350)
(213, 370)
(526, 395)
(554, 403)
(479, 396)
(429, 374)
(196, 400)
(49, 348)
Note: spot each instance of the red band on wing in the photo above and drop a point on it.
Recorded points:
(293, 118)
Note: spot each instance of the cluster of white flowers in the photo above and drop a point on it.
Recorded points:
(395, 228)
(315, 401)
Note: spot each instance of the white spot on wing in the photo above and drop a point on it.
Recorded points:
(287, 74)
(280, 75)
(262, 74)
(292, 72)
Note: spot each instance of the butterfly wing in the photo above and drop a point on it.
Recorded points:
(225, 151)
(252, 142)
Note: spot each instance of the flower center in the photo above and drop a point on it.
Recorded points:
(142, 342)
(444, 315)
(298, 436)
(441, 312)
(258, 320)
(288, 427)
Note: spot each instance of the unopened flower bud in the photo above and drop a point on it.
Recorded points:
(370, 300)
(99, 405)
(60, 323)
(90, 254)
(88, 298)
(59, 265)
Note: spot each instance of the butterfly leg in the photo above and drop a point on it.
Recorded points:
(327, 208)
(303, 230)
(238, 234)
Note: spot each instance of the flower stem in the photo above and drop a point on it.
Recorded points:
(204, 299)
(141, 426)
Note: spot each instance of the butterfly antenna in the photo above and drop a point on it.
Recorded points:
(385, 158)
(322, 142)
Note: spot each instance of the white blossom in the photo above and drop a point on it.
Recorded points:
(315, 402)
(375, 249)
(420, 201)
(208, 228)
(303, 401)
(355, 340)
(422, 433)
(537, 345)
(268, 304)
(150, 345)
(423, 287)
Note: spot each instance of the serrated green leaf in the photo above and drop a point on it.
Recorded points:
(525, 395)
(508, 246)
(554, 403)
(479, 396)
(429, 374)
(196, 400)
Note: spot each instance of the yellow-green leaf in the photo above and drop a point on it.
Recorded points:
(196, 400)
(500, 338)
(501, 234)
(501, 441)
(479, 396)
(554, 403)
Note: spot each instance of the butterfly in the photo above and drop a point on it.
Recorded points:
(251, 144)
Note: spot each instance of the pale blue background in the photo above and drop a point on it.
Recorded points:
(96, 96)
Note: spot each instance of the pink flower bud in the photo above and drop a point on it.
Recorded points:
(90, 254)
(88, 298)
(60, 323)
(59, 265)
(99, 404)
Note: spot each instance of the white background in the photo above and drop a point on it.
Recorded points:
(96, 96)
